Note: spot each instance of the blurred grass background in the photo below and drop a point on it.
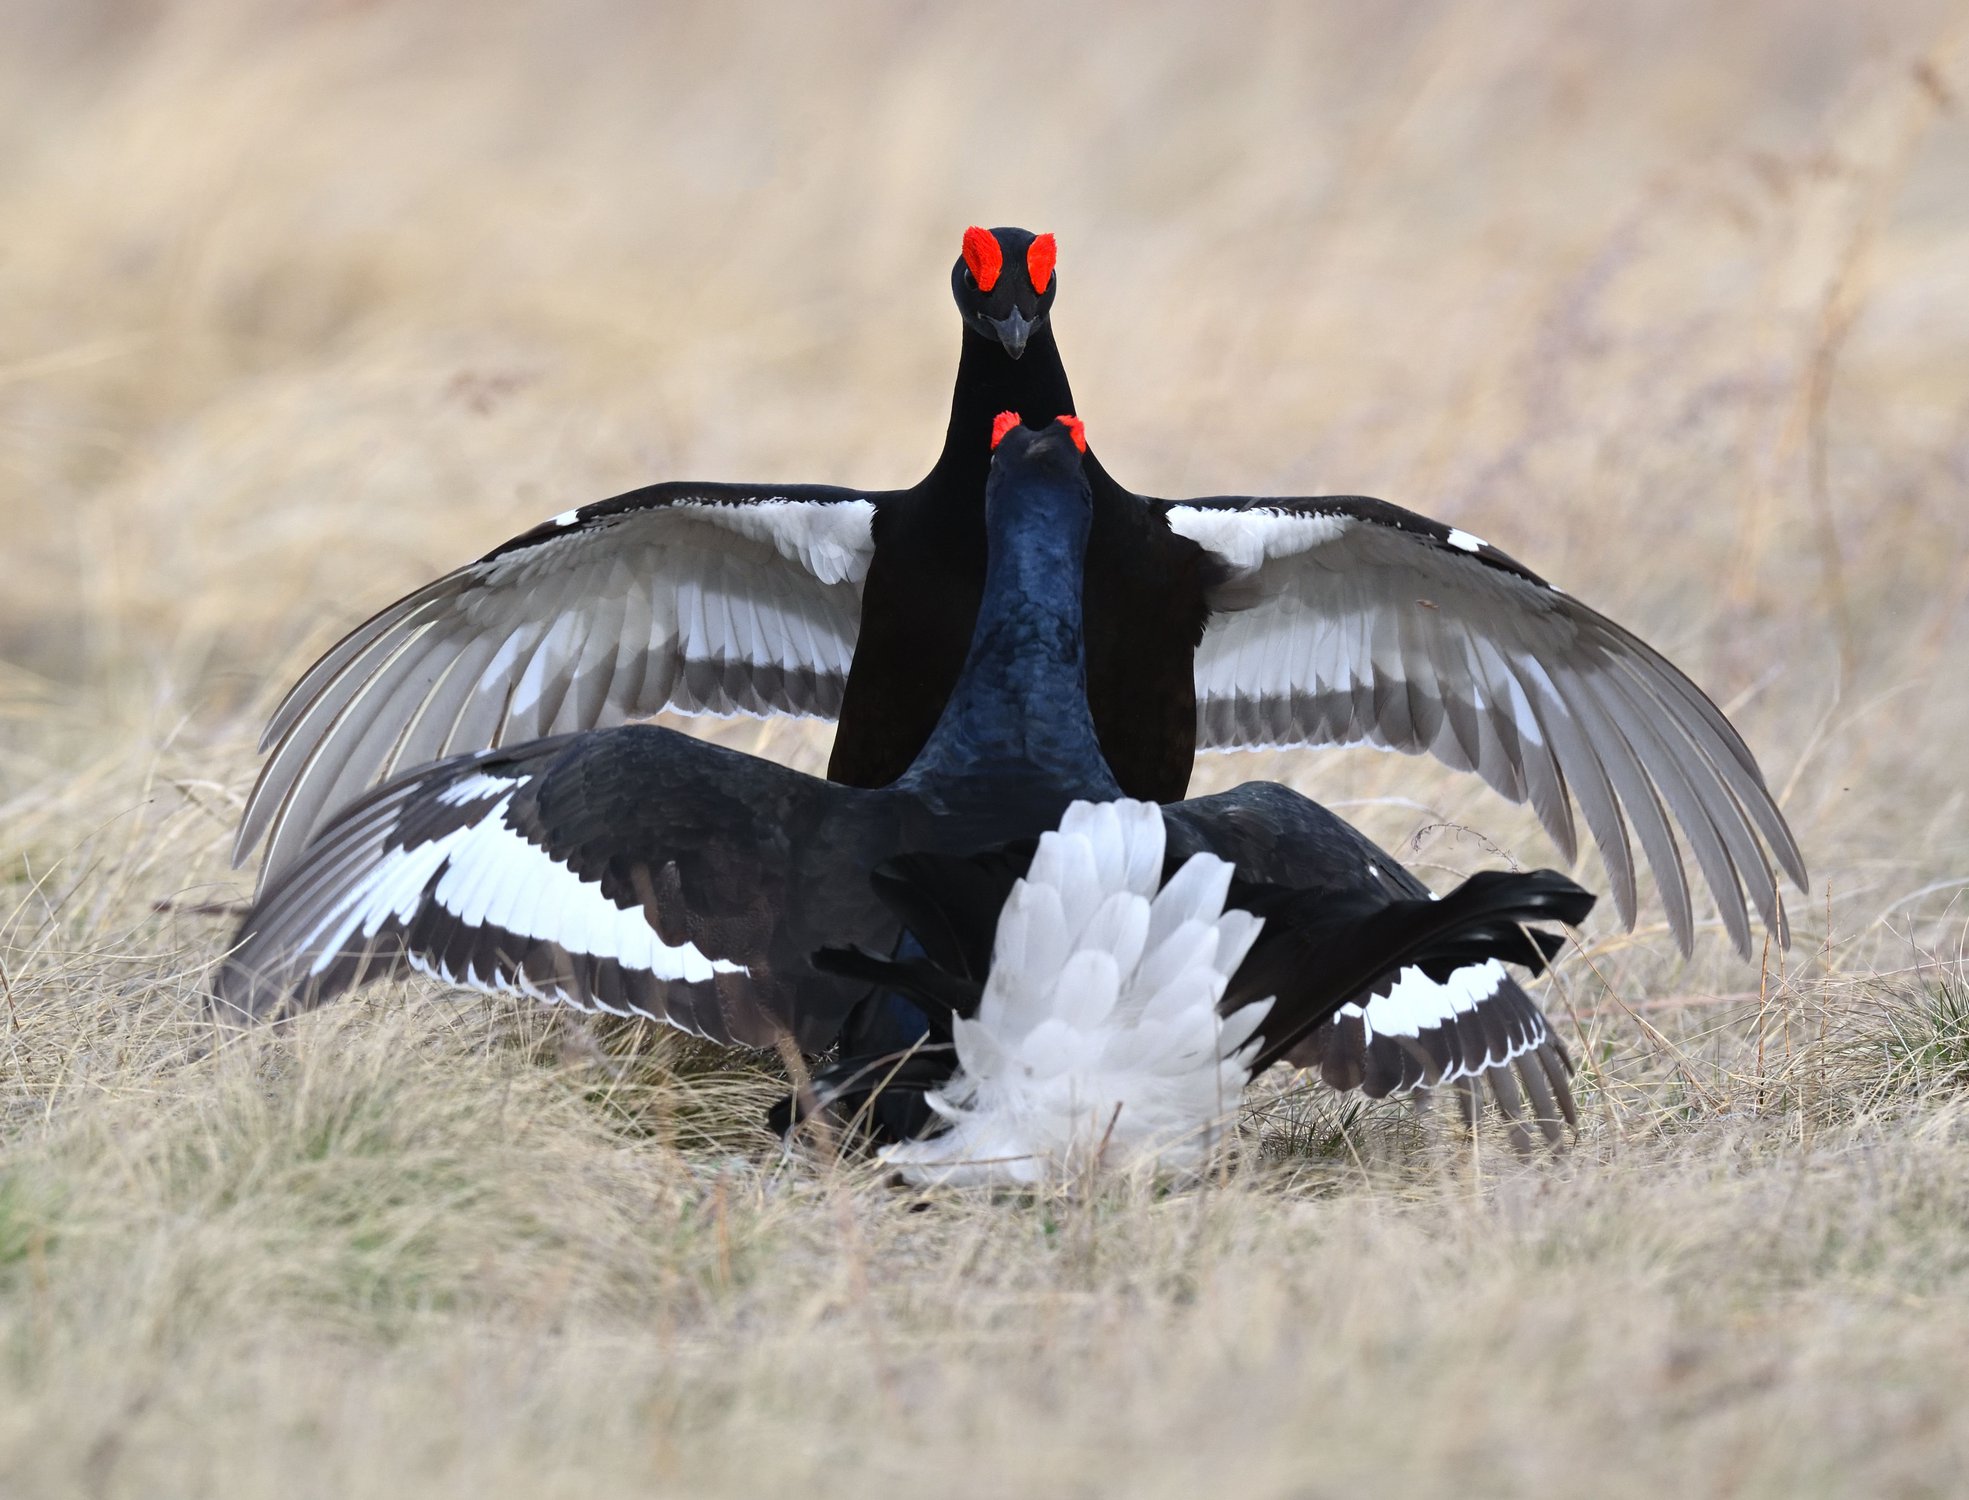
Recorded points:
(304, 303)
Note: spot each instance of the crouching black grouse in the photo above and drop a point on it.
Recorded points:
(646, 872)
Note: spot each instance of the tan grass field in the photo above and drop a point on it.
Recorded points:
(303, 303)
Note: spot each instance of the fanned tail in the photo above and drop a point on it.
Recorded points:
(1041, 979)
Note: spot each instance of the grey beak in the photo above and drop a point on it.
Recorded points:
(1013, 331)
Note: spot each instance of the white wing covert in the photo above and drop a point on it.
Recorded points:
(633, 870)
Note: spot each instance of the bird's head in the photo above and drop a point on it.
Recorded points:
(1004, 284)
(1038, 469)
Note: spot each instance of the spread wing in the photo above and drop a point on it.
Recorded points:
(1409, 1032)
(1348, 620)
(633, 870)
(1477, 1027)
(704, 598)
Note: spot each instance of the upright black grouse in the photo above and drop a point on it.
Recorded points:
(1220, 622)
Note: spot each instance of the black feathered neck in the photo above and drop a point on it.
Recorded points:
(990, 381)
(1019, 714)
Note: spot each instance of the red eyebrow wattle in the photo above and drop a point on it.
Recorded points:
(1077, 429)
(1040, 256)
(982, 255)
(1001, 424)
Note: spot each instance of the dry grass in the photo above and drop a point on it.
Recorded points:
(302, 303)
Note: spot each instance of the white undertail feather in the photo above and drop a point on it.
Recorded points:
(1097, 1041)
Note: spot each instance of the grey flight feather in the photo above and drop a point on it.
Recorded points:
(703, 598)
(1351, 621)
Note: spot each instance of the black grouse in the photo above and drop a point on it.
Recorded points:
(645, 872)
(1218, 622)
